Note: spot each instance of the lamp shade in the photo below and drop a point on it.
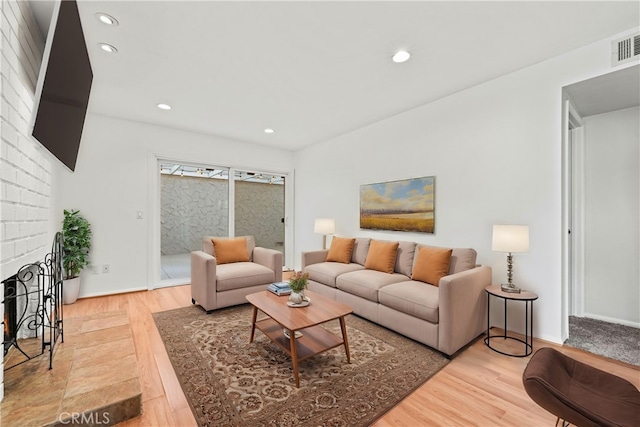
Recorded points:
(324, 226)
(510, 238)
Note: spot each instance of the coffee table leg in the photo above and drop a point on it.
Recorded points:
(253, 323)
(343, 326)
(294, 356)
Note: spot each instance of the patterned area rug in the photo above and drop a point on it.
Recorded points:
(230, 382)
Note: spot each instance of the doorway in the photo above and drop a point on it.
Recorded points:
(194, 201)
(198, 200)
(601, 199)
(259, 208)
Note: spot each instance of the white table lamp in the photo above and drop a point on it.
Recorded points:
(324, 226)
(510, 238)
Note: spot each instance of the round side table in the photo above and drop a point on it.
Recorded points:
(525, 296)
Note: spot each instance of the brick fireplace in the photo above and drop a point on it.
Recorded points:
(33, 313)
(25, 167)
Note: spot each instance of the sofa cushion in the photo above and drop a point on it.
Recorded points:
(431, 265)
(207, 244)
(360, 250)
(462, 259)
(415, 298)
(341, 250)
(230, 250)
(241, 275)
(404, 258)
(381, 256)
(366, 283)
(326, 272)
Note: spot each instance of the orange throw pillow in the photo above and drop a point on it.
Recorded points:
(341, 250)
(431, 265)
(381, 256)
(230, 250)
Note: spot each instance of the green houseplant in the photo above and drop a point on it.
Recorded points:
(298, 283)
(76, 234)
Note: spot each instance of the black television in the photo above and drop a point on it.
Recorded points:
(64, 86)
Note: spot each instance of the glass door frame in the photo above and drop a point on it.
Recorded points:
(154, 209)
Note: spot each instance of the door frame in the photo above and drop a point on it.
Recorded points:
(573, 226)
(154, 207)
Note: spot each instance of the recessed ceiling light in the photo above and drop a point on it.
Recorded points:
(269, 130)
(108, 48)
(106, 19)
(164, 106)
(401, 56)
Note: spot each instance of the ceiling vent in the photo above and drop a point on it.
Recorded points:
(625, 50)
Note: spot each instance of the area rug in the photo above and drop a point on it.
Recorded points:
(230, 382)
(619, 342)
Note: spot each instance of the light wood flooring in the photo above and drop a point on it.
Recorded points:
(478, 388)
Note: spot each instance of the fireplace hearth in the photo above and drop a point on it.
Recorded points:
(33, 309)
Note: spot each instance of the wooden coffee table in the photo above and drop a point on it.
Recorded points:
(315, 339)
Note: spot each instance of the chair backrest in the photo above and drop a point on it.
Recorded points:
(575, 391)
(207, 245)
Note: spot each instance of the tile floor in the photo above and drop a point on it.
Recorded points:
(94, 377)
(175, 266)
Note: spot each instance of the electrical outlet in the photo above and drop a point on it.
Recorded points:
(106, 268)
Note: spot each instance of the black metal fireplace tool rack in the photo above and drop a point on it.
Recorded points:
(33, 300)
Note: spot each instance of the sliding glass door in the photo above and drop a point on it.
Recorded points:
(194, 202)
(198, 201)
(259, 208)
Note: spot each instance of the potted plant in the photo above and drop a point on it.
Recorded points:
(298, 283)
(76, 234)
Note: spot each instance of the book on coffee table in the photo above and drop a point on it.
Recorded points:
(279, 288)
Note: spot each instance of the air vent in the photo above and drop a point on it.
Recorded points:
(625, 50)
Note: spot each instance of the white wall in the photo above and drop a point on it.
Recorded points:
(612, 220)
(495, 150)
(116, 176)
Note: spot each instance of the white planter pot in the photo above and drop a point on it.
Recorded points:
(70, 290)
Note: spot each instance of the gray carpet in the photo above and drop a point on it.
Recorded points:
(611, 340)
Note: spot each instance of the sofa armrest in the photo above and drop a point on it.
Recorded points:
(270, 258)
(314, 257)
(462, 305)
(203, 279)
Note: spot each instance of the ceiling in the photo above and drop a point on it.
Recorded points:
(613, 91)
(315, 70)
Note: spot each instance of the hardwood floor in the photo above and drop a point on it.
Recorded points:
(478, 388)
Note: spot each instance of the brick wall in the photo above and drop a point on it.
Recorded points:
(25, 167)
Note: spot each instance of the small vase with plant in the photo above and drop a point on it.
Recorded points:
(76, 234)
(298, 283)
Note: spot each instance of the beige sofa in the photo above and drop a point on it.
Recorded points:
(215, 286)
(444, 317)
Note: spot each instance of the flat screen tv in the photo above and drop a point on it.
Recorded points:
(64, 86)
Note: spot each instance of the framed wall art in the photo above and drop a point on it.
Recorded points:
(406, 205)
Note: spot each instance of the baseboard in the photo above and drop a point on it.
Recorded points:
(612, 320)
(172, 282)
(121, 291)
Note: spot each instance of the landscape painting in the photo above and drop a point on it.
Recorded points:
(407, 205)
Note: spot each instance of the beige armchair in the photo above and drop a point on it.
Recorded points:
(215, 285)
